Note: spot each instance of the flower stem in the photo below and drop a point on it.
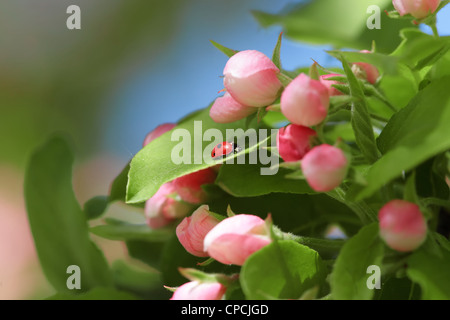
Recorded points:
(435, 30)
(316, 243)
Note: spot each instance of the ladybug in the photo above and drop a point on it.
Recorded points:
(223, 149)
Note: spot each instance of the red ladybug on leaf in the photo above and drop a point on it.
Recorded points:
(223, 149)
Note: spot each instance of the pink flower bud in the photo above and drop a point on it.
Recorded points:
(196, 290)
(305, 101)
(159, 130)
(189, 187)
(234, 239)
(294, 142)
(225, 109)
(417, 8)
(365, 71)
(329, 83)
(162, 208)
(447, 179)
(192, 230)
(325, 167)
(251, 78)
(402, 225)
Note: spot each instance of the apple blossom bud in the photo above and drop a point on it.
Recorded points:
(329, 83)
(294, 142)
(225, 109)
(447, 179)
(251, 78)
(159, 130)
(417, 8)
(235, 238)
(324, 167)
(365, 71)
(192, 230)
(162, 208)
(305, 101)
(189, 187)
(402, 225)
(196, 290)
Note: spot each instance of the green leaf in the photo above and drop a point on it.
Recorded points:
(153, 165)
(276, 59)
(95, 207)
(281, 270)
(228, 52)
(57, 222)
(419, 49)
(410, 193)
(119, 186)
(121, 230)
(413, 135)
(310, 22)
(349, 276)
(245, 180)
(149, 252)
(95, 294)
(361, 121)
(431, 273)
(137, 280)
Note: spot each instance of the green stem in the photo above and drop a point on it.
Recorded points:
(316, 243)
(436, 202)
(379, 118)
(363, 211)
(435, 30)
(377, 94)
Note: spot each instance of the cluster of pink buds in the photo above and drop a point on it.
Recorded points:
(176, 199)
(305, 103)
(250, 80)
(230, 241)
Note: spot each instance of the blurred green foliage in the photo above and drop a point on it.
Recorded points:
(54, 79)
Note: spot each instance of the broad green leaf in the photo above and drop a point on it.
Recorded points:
(96, 294)
(120, 230)
(440, 69)
(361, 121)
(281, 270)
(431, 273)
(149, 252)
(413, 135)
(419, 49)
(245, 180)
(338, 23)
(57, 222)
(349, 276)
(153, 165)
